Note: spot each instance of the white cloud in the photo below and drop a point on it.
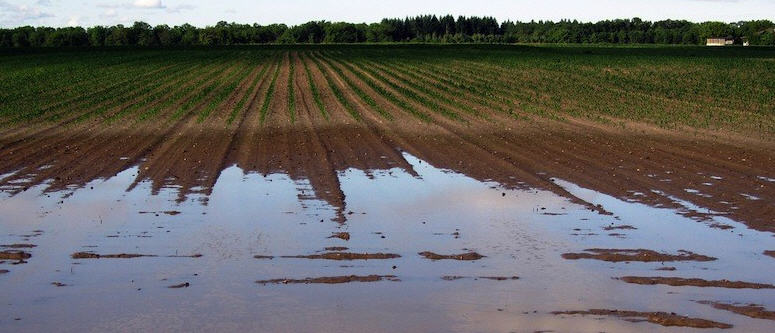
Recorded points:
(73, 21)
(180, 8)
(15, 15)
(148, 4)
(110, 13)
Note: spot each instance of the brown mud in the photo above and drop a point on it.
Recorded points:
(493, 278)
(660, 318)
(332, 279)
(14, 255)
(769, 253)
(341, 235)
(694, 282)
(181, 285)
(19, 246)
(750, 310)
(463, 256)
(640, 255)
(347, 256)
(619, 227)
(638, 162)
(89, 255)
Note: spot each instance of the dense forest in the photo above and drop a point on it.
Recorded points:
(420, 29)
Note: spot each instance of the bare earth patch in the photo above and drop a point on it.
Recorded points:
(641, 255)
(694, 282)
(14, 255)
(178, 286)
(769, 253)
(90, 255)
(18, 246)
(619, 227)
(341, 235)
(462, 256)
(750, 310)
(347, 256)
(660, 318)
(332, 279)
(494, 278)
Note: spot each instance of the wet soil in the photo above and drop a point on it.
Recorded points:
(18, 246)
(90, 255)
(640, 255)
(695, 282)
(619, 227)
(341, 235)
(181, 285)
(332, 279)
(770, 253)
(14, 255)
(347, 256)
(493, 278)
(470, 256)
(181, 161)
(750, 310)
(660, 318)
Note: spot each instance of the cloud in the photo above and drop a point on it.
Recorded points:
(15, 15)
(148, 4)
(74, 21)
(110, 13)
(180, 8)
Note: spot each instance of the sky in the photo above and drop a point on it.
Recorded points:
(60, 13)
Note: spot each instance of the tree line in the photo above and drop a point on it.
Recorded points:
(419, 29)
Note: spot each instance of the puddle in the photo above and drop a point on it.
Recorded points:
(376, 251)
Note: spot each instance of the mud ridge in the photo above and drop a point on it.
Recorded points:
(660, 318)
(470, 256)
(89, 255)
(694, 282)
(640, 255)
(332, 280)
(347, 256)
(750, 310)
(14, 255)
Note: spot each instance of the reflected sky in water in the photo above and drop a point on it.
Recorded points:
(522, 232)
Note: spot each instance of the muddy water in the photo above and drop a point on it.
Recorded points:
(521, 233)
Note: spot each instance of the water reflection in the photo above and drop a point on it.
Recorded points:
(402, 204)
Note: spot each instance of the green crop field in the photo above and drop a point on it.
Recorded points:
(726, 88)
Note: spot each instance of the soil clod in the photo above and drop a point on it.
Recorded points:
(341, 235)
(640, 255)
(660, 318)
(18, 246)
(694, 282)
(347, 256)
(14, 255)
(750, 310)
(332, 279)
(463, 256)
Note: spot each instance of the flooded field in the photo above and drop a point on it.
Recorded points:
(383, 189)
(391, 238)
